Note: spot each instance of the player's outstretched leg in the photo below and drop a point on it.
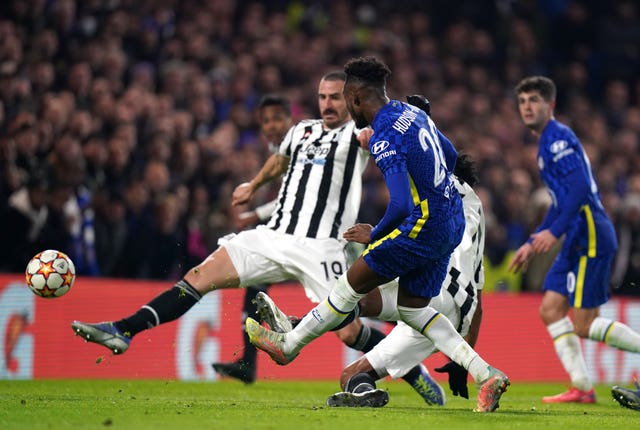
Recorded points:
(626, 397)
(491, 390)
(271, 314)
(269, 341)
(165, 307)
(105, 334)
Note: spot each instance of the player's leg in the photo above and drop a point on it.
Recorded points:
(244, 368)
(613, 333)
(243, 257)
(325, 316)
(381, 303)
(586, 317)
(554, 313)
(437, 328)
(583, 284)
(216, 271)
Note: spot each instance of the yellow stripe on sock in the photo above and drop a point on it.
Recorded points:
(430, 323)
(607, 333)
(563, 335)
(335, 310)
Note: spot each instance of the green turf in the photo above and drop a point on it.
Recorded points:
(139, 405)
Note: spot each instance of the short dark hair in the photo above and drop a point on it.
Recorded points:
(542, 84)
(368, 70)
(275, 100)
(336, 75)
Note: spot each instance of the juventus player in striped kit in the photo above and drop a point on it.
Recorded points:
(579, 277)
(322, 162)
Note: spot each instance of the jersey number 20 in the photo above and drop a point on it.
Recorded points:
(429, 139)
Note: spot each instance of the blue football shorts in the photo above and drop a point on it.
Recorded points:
(420, 265)
(584, 280)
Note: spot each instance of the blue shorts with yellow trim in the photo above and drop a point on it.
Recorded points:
(420, 265)
(583, 279)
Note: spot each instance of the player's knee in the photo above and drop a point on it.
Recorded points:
(550, 314)
(582, 330)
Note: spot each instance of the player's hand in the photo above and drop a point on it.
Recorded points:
(543, 241)
(242, 194)
(420, 102)
(457, 378)
(520, 260)
(364, 136)
(360, 233)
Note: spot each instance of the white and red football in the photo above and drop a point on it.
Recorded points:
(50, 274)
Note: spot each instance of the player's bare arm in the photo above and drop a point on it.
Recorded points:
(273, 168)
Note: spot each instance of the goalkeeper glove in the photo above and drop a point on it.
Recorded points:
(420, 102)
(457, 378)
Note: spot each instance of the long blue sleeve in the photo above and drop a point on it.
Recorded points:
(579, 187)
(557, 218)
(399, 207)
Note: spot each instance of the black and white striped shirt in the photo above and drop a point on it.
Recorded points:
(466, 270)
(322, 188)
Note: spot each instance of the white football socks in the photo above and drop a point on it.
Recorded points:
(444, 336)
(615, 334)
(569, 352)
(389, 305)
(325, 316)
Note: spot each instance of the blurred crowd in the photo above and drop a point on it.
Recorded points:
(126, 124)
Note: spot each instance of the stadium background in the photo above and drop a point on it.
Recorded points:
(134, 120)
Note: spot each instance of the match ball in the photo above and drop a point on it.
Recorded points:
(50, 274)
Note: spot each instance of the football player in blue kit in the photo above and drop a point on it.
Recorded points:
(578, 280)
(423, 223)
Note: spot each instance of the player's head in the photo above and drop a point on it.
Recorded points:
(536, 100)
(365, 88)
(333, 109)
(275, 117)
(465, 170)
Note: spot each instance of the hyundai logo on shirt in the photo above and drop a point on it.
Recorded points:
(379, 146)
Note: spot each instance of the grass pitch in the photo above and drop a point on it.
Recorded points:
(227, 404)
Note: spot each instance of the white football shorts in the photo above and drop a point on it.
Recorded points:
(263, 256)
